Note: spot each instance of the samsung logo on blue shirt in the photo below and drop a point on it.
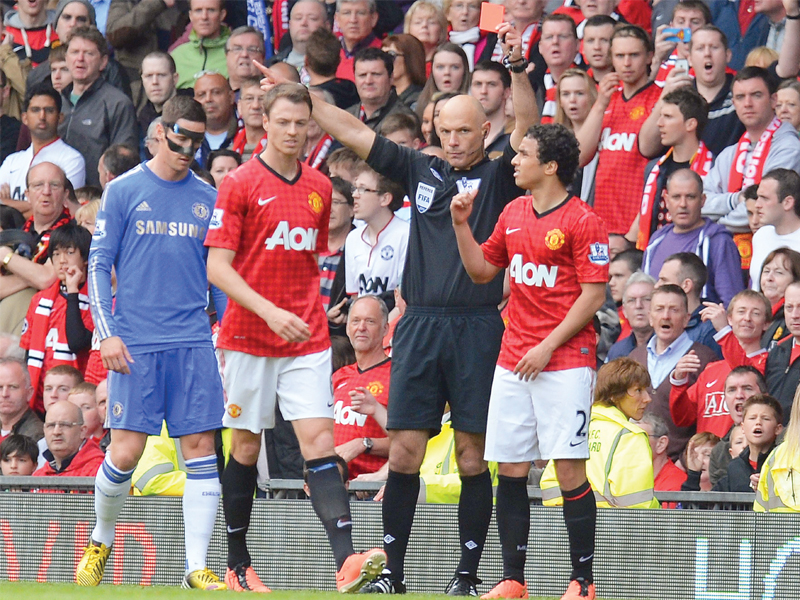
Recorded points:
(171, 228)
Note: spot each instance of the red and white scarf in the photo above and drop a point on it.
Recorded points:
(747, 172)
(316, 158)
(700, 164)
(240, 141)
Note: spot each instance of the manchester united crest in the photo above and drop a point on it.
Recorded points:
(636, 113)
(375, 388)
(554, 239)
(234, 410)
(315, 202)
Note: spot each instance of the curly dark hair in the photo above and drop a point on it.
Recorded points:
(557, 143)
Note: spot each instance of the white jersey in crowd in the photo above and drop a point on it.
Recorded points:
(379, 268)
(15, 167)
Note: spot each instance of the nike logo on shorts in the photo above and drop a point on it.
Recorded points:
(263, 201)
(573, 444)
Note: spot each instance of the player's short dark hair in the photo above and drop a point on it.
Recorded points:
(633, 258)
(293, 92)
(183, 107)
(714, 29)
(599, 21)
(344, 188)
(788, 185)
(692, 268)
(43, 89)
(764, 400)
(371, 54)
(691, 104)
(671, 288)
(66, 369)
(400, 121)
(323, 52)
(697, 5)
(764, 75)
(557, 143)
(215, 154)
(120, 158)
(90, 33)
(70, 236)
(743, 370)
(495, 67)
(616, 377)
(21, 445)
(562, 18)
(161, 55)
(633, 31)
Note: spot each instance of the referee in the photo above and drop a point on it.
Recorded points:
(447, 343)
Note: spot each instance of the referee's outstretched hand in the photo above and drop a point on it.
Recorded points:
(461, 206)
(271, 78)
(288, 326)
(115, 355)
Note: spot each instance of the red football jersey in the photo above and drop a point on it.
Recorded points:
(619, 182)
(276, 227)
(347, 423)
(704, 402)
(549, 256)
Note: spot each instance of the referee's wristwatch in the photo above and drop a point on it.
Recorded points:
(368, 443)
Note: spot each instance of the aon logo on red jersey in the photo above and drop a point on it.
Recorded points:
(296, 238)
(345, 415)
(617, 141)
(532, 274)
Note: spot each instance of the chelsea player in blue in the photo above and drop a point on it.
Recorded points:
(156, 339)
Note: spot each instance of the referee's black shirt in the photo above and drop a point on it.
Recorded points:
(433, 274)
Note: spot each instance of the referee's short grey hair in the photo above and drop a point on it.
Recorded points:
(381, 305)
(371, 4)
(637, 277)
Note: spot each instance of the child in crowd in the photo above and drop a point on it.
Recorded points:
(86, 216)
(18, 455)
(697, 459)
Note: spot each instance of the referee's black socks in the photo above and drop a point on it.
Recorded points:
(238, 487)
(513, 524)
(474, 516)
(580, 516)
(399, 505)
(332, 504)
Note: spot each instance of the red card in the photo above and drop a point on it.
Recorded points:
(491, 16)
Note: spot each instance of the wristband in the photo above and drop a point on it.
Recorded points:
(518, 66)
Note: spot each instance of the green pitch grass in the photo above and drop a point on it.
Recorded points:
(68, 591)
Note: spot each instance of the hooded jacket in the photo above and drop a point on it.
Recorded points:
(33, 43)
(197, 55)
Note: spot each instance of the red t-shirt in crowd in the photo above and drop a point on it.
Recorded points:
(704, 402)
(347, 423)
(549, 256)
(276, 227)
(669, 478)
(619, 182)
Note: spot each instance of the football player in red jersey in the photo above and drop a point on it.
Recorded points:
(556, 249)
(269, 225)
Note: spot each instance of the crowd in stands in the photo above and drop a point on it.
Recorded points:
(687, 114)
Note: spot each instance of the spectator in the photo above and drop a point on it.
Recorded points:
(86, 216)
(408, 75)
(150, 139)
(778, 147)
(30, 28)
(612, 129)
(356, 19)
(332, 266)
(214, 93)
(449, 74)
(16, 415)
(9, 346)
(778, 206)
(620, 270)
(83, 396)
(750, 195)
(9, 126)
(322, 61)
(58, 382)
(344, 163)
(18, 456)
(361, 390)
(403, 129)
(526, 17)
(319, 143)
(669, 315)
(690, 232)
(761, 57)
(687, 14)
(787, 107)
(688, 272)
(559, 48)
(426, 22)
(305, 18)
(776, 491)
(597, 32)
(373, 70)
(684, 114)
(58, 71)
(703, 404)
(781, 267)
(222, 162)
(58, 327)
(15, 73)
(69, 453)
(667, 477)
(636, 299)
(782, 370)
(116, 160)
(245, 45)
(251, 139)
(698, 458)
(41, 114)
(101, 115)
(491, 85)
(205, 49)
(463, 16)
(158, 80)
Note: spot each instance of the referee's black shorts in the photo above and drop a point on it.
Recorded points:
(442, 355)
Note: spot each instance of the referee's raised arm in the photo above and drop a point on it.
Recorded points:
(526, 111)
(341, 125)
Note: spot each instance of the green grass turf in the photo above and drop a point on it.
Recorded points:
(68, 591)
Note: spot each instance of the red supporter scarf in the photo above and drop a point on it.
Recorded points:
(700, 164)
(319, 153)
(549, 108)
(240, 140)
(40, 255)
(743, 175)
